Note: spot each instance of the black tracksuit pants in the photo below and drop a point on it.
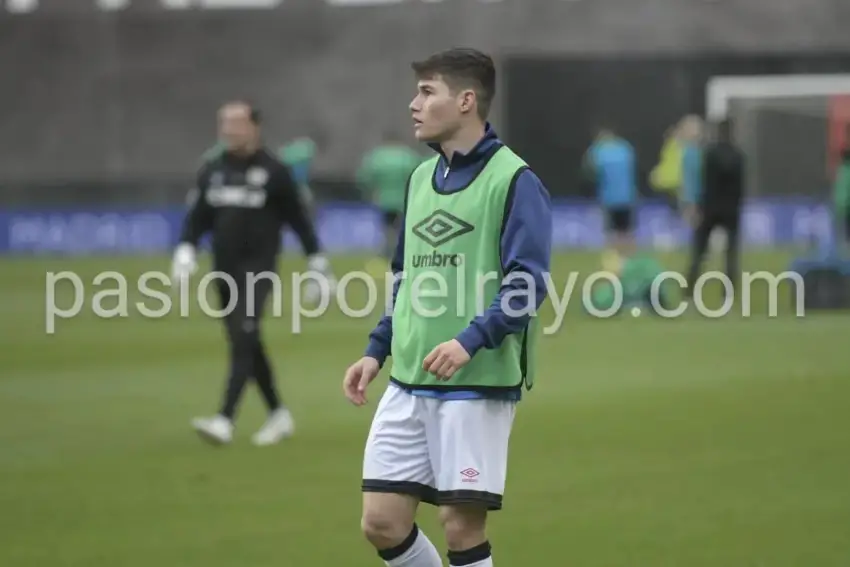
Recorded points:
(246, 352)
(729, 221)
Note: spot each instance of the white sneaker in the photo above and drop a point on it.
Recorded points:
(278, 426)
(217, 430)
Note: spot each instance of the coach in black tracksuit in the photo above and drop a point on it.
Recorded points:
(720, 203)
(244, 197)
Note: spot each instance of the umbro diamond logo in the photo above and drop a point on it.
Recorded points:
(469, 475)
(440, 227)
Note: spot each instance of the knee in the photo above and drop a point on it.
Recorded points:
(384, 530)
(463, 525)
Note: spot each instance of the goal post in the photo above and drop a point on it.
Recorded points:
(720, 90)
(792, 127)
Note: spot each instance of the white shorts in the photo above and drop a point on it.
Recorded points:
(441, 451)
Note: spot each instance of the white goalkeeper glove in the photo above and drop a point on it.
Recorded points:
(313, 289)
(184, 263)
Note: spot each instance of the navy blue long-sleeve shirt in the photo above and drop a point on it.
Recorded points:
(526, 245)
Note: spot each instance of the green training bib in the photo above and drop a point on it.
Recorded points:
(452, 273)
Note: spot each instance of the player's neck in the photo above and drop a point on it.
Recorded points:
(463, 142)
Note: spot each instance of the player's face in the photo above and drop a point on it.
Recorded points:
(436, 111)
(235, 126)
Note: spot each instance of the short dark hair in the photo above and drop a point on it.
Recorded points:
(462, 68)
(254, 113)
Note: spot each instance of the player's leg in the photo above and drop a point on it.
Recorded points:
(219, 428)
(469, 442)
(733, 247)
(617, 220)
(610, 258)
(699, 246)
(397, 475)
(625, 226)
(244, 334)
(279, 423)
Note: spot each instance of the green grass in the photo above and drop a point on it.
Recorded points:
(646, 443)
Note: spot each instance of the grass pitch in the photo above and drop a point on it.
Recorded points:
(645, 443)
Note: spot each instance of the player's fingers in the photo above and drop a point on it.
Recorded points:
(430, 359)
(450, 371)
(364, 379)
(434, 365)
(349, 383)
(444, 370)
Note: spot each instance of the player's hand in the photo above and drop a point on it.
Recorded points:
(358, 376)
(446, 359)
(184, 263)
(315, 290)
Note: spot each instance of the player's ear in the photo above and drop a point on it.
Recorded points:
(467, 100)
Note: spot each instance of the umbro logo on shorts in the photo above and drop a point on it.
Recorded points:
(440, 227)
(469, 475)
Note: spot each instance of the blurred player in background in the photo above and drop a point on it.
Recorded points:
(610, 161)
(299, 155)
(440, 432)
(691, 133)
(382, 178)
(718, 205)
(244, 196)
(666, 176)
(841, 194)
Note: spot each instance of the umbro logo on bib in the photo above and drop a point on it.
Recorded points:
(440, 227)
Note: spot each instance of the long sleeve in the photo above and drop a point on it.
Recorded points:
(293, 211)
(526, 247)
(199, 217)
(380, 339)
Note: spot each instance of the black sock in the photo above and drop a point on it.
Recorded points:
(470, 556)
(400, 549)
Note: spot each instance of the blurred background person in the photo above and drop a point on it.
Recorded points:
(841, 194)
(244, 197)
(382, 179)
(610, 162)
(299, 155)
(666, 176)
(690, 136)
(718, 205)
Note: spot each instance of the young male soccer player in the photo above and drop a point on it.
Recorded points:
(612, 162)
(382, 177)
(440, 432)
(244, 196)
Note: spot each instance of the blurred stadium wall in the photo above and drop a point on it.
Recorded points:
(111, 108)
